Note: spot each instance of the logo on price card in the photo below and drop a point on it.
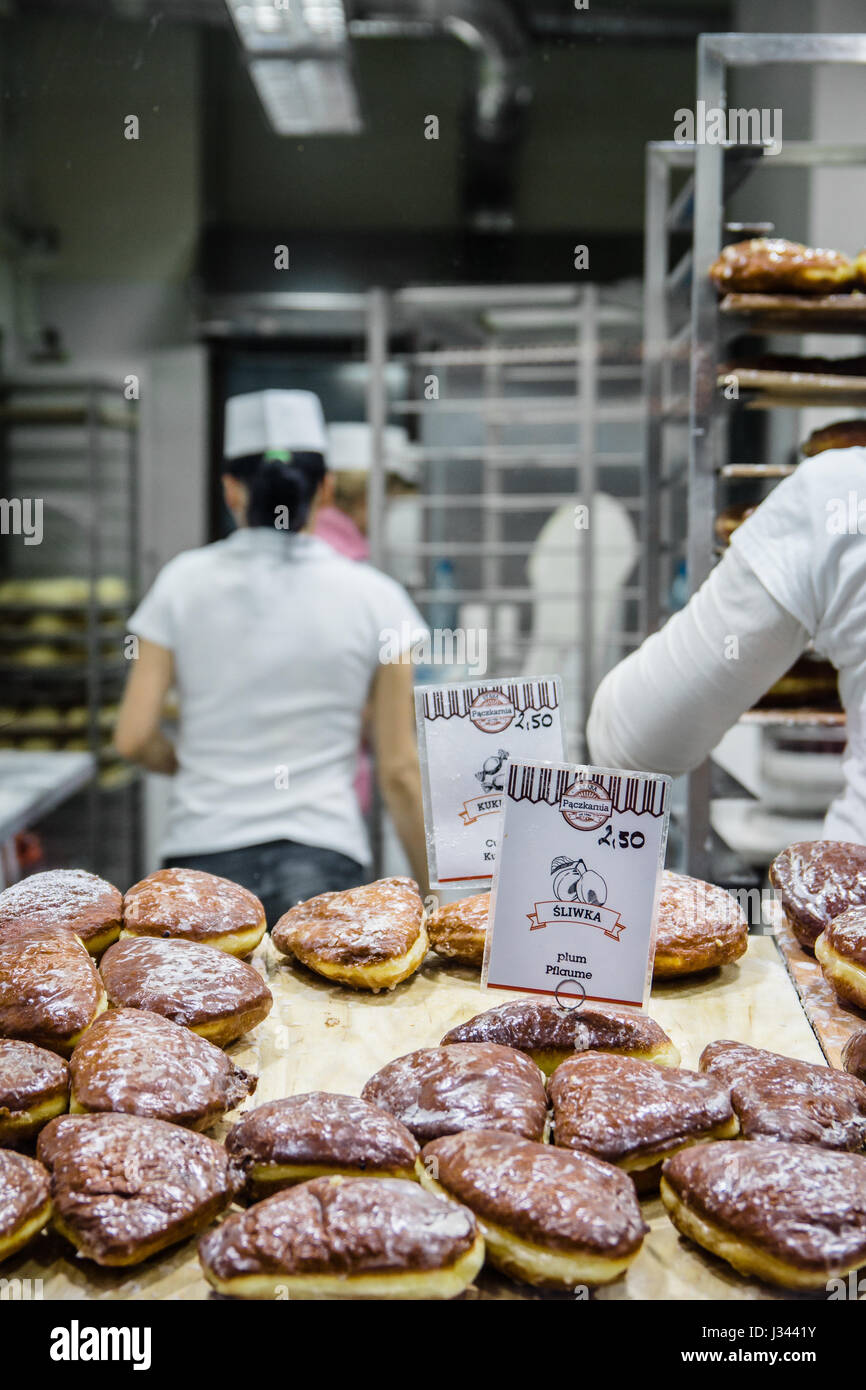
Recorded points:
(491, 712)
(586, 805)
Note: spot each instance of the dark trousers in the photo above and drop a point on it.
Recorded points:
(280, 873)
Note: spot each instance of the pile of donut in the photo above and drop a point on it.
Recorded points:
(525, 1138)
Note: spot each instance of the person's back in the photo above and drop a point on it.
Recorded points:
(276, 641)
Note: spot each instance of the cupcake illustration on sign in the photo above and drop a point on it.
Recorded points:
(491, 712)
(586, 805)
(491, 775)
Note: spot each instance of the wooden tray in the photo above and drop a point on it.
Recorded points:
(796, 388)
(833, 1021)
(796, 313)
(321, 1037)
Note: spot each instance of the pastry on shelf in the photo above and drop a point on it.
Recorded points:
(810, 682)
(772, 264)
(729, 519)
(842, 434)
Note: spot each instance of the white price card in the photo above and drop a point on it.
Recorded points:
(468, 737)
(575, 895)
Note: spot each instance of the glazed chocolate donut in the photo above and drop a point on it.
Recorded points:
(34, 1087)
(635, 1113)
(772, 265)
(370, 938)
(817, 881)
(854, 1055)
(442, 1090)
(458, 930)
(209, 991)
(841, 953)
(288, 1141)
(139, 1063)
(335, 1238)
(25, 1201)
(125, 1186)
(777, 1097)
(791, 1214)
(84, 904)
(549, 1034)
(843, 434)
(50, 990)
(549, 1217)
(196, 906)
(699, 927)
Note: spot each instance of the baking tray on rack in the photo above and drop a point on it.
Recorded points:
(797, 313)
(320, 1036)
(772, 388)
(803, 718)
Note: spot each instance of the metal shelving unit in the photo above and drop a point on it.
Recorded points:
(676, 344)
(538, 409)
(71, 443)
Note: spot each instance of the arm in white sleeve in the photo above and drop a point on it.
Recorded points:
(665, 707)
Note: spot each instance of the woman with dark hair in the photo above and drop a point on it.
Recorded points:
(274, 642)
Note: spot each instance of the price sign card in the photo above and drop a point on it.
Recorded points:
(468, 738)
(577, 882)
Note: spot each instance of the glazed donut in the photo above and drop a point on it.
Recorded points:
(550, 1034)
(197, 906)
(774, 266)
(699, 927)
(25, 1201)
(458, 930)
(635, 1113)
(34, 1087)
(854, 1055)
(818, 880)
(370, 938)
(209, 991)
(790, 1214)
(84, 904)
(336, 1238)
(50, 990)
(139, 1063)
(288, 1141)
(125, 1187)
(843, 434)
(442, 1090)
(551, 1218)
(841, 953)
(777, 1097)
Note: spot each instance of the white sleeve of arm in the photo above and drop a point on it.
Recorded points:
(665, 707)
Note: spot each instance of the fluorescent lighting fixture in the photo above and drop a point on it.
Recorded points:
(307, 96)
(270, 26)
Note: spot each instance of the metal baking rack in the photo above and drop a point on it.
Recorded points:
(688, 433)
(538, 408)
(72, 442)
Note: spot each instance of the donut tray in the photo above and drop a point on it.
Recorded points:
(322, 1037)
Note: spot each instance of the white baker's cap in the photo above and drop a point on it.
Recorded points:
(350, 450)
(262, 420)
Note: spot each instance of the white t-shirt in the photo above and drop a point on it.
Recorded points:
(806, 545)
(276, 640)
(796, 570)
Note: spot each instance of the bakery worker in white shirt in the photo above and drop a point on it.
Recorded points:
(272, 641)
(795, 571)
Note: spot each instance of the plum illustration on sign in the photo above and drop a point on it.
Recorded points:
(465, 762)
(579, 925)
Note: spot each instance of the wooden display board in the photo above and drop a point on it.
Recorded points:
(320, 1036)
